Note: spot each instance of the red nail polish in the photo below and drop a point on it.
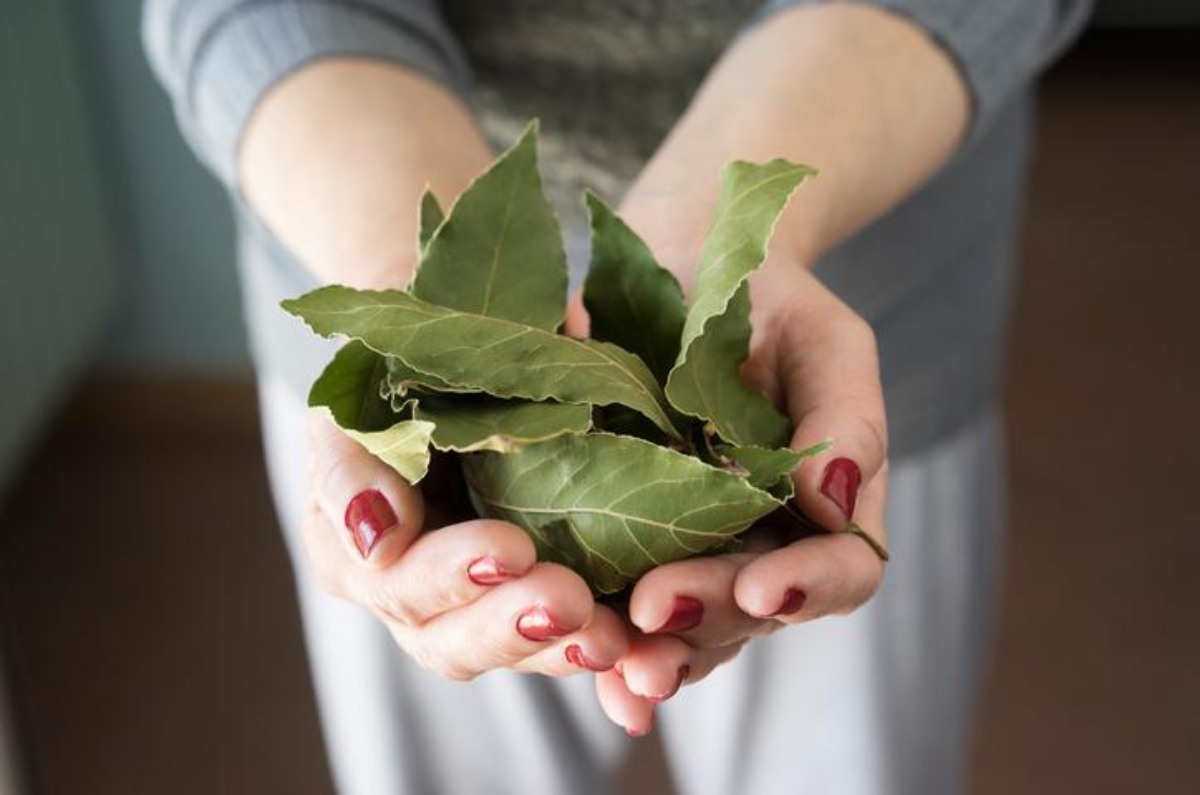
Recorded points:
(840, 484)
(487, 571)
(684, 670)
(685, 614)
(368, 517)
(537, 625)
(576, 657)
(793, 600)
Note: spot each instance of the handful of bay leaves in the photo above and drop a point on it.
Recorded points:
(616, 454)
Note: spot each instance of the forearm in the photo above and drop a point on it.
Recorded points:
(861, 94)
(334, 160)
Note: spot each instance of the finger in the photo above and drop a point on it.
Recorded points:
(450, 568)
(509, 623)
(632, 713)
(379, 512)
(828, 366)
(596, 647)
(657, 666)
(577, 323)
(694, 600)
(820, 575)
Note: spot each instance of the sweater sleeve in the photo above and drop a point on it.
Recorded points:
(998, 46)
(218, 58)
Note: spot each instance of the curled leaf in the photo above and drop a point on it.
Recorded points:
(349, 390)
(705, 381)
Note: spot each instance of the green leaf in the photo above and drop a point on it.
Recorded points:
(613, 507)
(705, 381)
(466, 423)
(764, 467)
(349, 390)
(502, 358)
(499, 252)
(430, 218)
(400, 379)
(737, 413)
(632, 300)
(404, 447)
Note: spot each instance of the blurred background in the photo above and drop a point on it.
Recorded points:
(148, 640)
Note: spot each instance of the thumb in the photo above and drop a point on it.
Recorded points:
(380, 511)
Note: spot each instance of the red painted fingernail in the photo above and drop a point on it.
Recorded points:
(684, 670)
(536, 624)
(793, 600)
(487, 571)
(368, 518)
(685, 614)
(576, 657)
(840, 484)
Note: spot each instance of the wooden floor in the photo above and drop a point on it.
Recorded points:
(145, 598)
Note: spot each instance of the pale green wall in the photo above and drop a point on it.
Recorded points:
(180, 298)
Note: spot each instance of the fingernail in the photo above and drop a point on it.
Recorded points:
(840, 485)
(684, 670)
(368, 518)
(793, 600)
(576, 657)
(685, 614)
(487, 571)
(537, 625)
(619, 670)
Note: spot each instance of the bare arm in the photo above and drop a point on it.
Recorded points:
(862, 94)
(335, 159)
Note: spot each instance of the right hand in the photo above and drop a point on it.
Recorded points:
(461, 600)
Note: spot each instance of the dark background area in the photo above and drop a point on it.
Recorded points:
(152, 644)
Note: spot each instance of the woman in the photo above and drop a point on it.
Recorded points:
(327, 119)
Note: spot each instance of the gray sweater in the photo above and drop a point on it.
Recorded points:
(608, 79)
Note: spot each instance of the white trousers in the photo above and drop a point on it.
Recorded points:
(878, 702)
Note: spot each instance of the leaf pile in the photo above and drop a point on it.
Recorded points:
(618, 453)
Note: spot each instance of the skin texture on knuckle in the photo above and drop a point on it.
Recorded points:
(438, 663)
(391, 605)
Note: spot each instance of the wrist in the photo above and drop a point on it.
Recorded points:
(335, 158)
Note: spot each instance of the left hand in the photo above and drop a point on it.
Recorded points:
(817, 360)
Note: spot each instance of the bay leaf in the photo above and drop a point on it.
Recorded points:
(738, 414)
(500, 357)
(466, 423)
(429, 218)
(400, 379)
(348, 389)
(632, 300)
(705, 381)
(404, 447)
(766, 467)
(499, 251)
(613, 507)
